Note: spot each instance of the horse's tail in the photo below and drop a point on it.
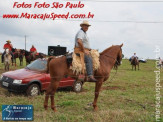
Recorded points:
(48, 61)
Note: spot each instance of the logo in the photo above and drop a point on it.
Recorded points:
(17, 112)
(51, 51)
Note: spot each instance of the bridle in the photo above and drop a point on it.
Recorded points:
(112, 58)
(115, 61)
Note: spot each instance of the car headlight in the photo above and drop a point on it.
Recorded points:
(1, 77)
(17, 81)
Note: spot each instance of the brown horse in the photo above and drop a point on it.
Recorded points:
(29, 57)
(18, 53)
(134, 63)
(58, 68)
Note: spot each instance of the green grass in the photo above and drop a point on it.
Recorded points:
(129, 97)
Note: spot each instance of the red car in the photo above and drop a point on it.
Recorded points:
(32, 80)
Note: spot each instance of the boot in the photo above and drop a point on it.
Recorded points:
(91, 79)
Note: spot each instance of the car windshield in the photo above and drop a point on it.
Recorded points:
(39, 65)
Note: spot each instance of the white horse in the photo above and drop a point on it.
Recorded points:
(7, 60)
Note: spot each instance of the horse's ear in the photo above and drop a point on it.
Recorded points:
(121, 45)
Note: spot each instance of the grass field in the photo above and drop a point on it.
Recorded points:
(129, 97)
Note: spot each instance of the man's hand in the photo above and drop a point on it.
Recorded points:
(86, 52)
(82, 47)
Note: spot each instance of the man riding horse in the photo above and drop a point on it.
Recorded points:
(134, 56)
(9, 46)
(33, 51)
(134, 61)
(82, 49)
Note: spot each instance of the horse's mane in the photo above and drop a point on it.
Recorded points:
(107, 49)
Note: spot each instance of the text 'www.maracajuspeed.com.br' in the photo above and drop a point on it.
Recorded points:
(52, 16)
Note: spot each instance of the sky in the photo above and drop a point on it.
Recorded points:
(141, 38)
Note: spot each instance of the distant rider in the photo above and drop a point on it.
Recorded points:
(33, 51)
(134, 56)
(9, 46)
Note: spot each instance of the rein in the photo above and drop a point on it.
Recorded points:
(116, 69)
(112, 58)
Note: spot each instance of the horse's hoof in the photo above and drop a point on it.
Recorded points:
(54, 109)
(95, 109)
(45, 107)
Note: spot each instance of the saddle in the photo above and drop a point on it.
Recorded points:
(69, 59)
(74, 61)
(35, 54)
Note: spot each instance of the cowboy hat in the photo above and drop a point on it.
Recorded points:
(8, 41)
(85, 22)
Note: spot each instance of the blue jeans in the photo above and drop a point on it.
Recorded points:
(89, 65)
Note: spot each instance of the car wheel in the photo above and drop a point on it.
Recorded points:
(33, 90)
(77, 86)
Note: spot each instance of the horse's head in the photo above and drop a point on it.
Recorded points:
(27, 53)
(119, 56)
(7, 51)
(22, 51)
(13, 49)
(7, 55)
(135, 59)
(114, 52)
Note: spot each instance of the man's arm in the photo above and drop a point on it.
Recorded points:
(11, 45)
(81, 46)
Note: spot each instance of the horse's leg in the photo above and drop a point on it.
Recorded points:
(138, 66)
(55, 86)
(50, 92)
(12, 61)
(5, 66)
(135, 67)
(20, 61)
(47, 96)
(8, 66)
(15, 62)
(97, 90)
(25, 61)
